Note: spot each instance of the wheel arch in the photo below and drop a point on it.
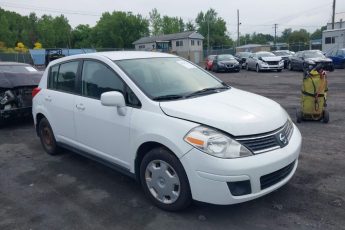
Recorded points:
(39, 117)
(143, 149)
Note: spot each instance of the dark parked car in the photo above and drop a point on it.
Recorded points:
(17, 80)
(338, 58)
(209, 62)
(303, 60)
(285, 55)
(242, 58)
(225, 63)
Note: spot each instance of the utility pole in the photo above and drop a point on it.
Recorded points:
(238, 27)
(275, 35)
(208, 36)
(333, 14)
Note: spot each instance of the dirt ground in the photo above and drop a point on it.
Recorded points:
(68, 191)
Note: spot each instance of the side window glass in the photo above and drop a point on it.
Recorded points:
(65, 79)
(54, 70)
(98, 78)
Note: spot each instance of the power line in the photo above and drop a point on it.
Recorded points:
(46, 9)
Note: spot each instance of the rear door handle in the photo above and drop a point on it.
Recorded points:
(48, 99)
(80, 107)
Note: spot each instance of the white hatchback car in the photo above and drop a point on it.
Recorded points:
(183, 133)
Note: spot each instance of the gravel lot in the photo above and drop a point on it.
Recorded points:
(68, 191)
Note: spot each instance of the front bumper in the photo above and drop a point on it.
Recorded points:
(272, 67)
(229, 67)
(209, 176)
(15, 113)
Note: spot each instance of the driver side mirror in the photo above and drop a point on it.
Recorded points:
(116, 99)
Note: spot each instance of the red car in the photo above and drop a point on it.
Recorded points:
(209, 62)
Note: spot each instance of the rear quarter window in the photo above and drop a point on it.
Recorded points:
(62, 77)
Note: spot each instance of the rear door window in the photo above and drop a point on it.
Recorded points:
(63, 77)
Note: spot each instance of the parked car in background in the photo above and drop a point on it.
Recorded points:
(338, 58)
(285, 55)
(303, 60)
(242, 58)
(225, 63)
(182, 138)
(260, 61)
(17, 80)
(209, 62)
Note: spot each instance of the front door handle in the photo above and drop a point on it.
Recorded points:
(80, 107)
(48, 99)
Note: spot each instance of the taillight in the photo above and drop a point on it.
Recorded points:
(35, 91)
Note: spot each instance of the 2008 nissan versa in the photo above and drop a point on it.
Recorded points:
(183, 133)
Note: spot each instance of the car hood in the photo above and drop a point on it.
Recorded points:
(319, 59)
(11, 80)
(234, 111)
(271, 58)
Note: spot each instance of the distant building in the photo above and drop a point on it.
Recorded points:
(185, 44)
(279, 46)
(253, 48)
(334, 39)
(339, 21)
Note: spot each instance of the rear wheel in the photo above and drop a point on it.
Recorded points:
(164, 180)
(47, 137)
(325, 118)
(299, 116)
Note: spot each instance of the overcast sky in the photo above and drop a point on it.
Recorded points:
(255, 15)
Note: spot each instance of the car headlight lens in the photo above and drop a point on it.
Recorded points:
(215, 143)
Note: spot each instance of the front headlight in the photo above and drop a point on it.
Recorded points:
(215, 143)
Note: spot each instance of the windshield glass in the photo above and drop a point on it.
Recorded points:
(244, 54)
(265, 54)
(281, 53)
(225, 57)
(313, 54)
(17, 68)
(159, 77)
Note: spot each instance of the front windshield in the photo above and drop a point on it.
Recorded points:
(17, 68)
(225, 57)
(244, 54)
(313, 54)
(265, 54)
(282, 53)
(159, 77)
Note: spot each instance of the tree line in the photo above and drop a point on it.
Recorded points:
(120, 29)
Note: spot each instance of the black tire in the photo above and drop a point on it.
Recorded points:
(290, 66)
(299, 116)
(163, 155)
(325, 118)
(279, 70)
(343, 65)
(47, 137)
(257, 68)
(215, 69)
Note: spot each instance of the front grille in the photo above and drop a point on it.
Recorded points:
(275, 177)
(268, 141)
(272, 62)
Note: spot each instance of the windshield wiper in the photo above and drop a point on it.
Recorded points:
(168, 97)
(207, 90)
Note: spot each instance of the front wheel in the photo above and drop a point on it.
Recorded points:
(257, 68)
(47, 137)
(164, 180)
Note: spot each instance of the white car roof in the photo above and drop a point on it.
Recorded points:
(120, 55)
